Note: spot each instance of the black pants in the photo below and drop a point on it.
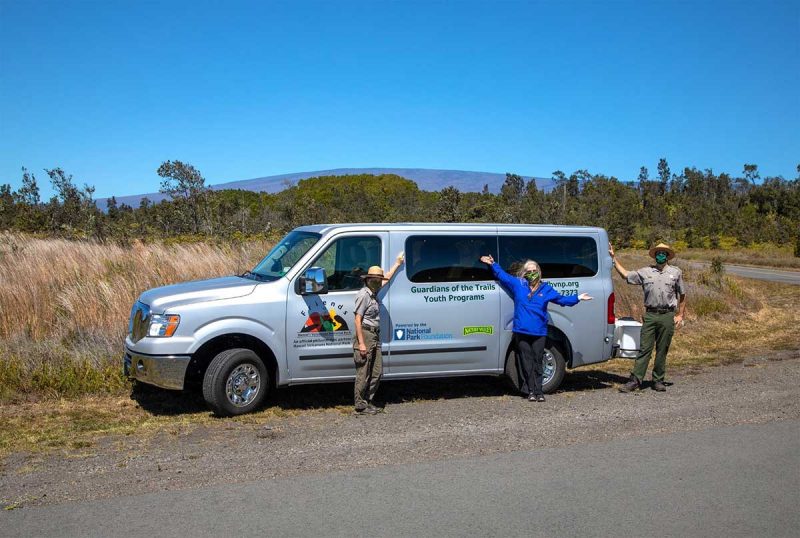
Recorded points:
(530, 350)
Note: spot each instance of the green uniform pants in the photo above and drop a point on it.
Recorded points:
(657, 331)
(368, 369)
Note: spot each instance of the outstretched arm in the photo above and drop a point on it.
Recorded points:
(498, 272)
(397, 263)
(618, 266)
(568, 300)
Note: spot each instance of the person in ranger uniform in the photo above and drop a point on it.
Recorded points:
(665, 302)
(367, 337)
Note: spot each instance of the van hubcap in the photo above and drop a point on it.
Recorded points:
(549, 367)
(242, 385)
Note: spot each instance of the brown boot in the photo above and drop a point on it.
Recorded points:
(659, 386)
(631, 385)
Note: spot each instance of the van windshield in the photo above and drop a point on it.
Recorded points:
(283, 256)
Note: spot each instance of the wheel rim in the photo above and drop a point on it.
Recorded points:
(549, 369)
(243, 385)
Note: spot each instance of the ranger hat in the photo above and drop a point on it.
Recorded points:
(662, 246)
(374, 272)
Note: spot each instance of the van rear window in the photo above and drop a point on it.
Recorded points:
(449, 258)
(558, 256)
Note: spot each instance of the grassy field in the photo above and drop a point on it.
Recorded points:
(761, 255)
(64, 308)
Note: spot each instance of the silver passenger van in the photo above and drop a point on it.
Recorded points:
(290, 320)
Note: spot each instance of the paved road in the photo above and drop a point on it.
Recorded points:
(761, 273)
(735, 481)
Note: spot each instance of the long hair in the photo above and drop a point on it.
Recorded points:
(529, 265)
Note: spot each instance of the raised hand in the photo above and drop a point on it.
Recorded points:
(488, 260)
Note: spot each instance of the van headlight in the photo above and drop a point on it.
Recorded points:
(163, 325)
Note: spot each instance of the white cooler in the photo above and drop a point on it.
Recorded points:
(627, 332)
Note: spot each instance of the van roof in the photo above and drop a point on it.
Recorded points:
(452, 227)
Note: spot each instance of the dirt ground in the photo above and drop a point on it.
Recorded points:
(423, 421)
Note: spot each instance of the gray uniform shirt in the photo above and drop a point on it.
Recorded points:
(368, 306)
(661, 288)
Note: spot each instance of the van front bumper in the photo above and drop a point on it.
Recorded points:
(165, 371)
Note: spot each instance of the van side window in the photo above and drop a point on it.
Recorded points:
(346, 259)
(448, 258)
(558, 256)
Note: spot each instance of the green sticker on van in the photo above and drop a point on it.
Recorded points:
(479, 329)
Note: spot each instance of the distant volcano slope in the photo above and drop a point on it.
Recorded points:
(425, 178)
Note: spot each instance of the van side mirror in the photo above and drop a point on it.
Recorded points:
(313, 282)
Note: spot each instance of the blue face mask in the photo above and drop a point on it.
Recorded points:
(661, 258)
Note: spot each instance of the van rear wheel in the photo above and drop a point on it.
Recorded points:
(554, 369)
(236, 382)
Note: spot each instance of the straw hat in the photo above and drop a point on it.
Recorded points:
(662, 246)
(374, 272)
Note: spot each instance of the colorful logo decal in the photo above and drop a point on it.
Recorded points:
(324, 322)
(324, 317)
(479, 329)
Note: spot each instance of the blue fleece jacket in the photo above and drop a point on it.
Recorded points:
(530, 315)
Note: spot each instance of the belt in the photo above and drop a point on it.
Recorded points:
(371, 329)
(660, 310)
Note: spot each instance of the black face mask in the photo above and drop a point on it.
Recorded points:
(374, 285)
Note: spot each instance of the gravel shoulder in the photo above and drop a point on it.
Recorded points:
(477, 418)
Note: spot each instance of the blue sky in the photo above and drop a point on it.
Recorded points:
(108, 90)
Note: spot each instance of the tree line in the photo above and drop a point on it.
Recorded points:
(695, 206)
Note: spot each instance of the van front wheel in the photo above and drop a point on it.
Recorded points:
(236, 382)
(554, 369)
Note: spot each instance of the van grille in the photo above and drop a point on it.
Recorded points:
(140, 320)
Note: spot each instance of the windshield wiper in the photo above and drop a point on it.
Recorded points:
(250, 275)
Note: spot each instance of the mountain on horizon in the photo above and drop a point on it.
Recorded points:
(426, 179)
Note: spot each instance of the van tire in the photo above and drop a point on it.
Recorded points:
(236, 382)
(560, 366)
(551, 385)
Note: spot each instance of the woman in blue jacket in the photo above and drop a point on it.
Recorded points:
(531, 296)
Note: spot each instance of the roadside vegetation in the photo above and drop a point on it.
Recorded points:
(69, 273)
(692, 208)
(64, 307)
(765, 255)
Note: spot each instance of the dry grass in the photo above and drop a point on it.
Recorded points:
(727, 319)
(64, 305)
(63, 308)
(766, 255)
(76, 425)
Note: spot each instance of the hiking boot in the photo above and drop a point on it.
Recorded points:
(659, 386)
(631, 385)
(374, 408)
(367, 411)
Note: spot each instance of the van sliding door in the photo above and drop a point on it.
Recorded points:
(444, 305)
(569, 262)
